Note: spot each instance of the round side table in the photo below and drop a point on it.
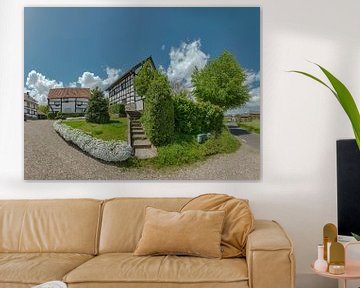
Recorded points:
(352, 269)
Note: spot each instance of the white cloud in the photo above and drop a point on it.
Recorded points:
(112, 75)
(252, 80)
(252, 77)
(183, 61)
(38, 85)
(163, 47)
(254, 101)
(90, 80)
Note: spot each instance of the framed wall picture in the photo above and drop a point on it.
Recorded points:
(142, 93)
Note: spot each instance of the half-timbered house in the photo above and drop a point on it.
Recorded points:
(68, 100)
(122, 89)
(30, 107)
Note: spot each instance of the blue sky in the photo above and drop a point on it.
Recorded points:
(83, 46)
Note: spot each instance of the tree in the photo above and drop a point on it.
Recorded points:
(43, 109)
(144, 78)
(221, 82)
(158, 115)
(98, 108)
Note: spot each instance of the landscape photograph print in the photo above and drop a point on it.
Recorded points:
(142, 93)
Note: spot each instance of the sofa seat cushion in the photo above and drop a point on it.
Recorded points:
(36, 268)
(127, 268)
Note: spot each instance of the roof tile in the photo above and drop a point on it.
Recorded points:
(69, 93)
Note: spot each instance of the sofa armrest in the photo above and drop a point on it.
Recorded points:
(269, 256)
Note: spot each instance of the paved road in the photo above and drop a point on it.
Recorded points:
(48, 157)
(251, 139)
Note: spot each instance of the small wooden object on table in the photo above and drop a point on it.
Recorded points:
(352, 268)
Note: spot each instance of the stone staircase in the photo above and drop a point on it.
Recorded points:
(143, 148)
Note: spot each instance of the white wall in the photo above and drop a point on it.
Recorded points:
(300, 120)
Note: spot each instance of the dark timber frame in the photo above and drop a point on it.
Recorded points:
(122, 90)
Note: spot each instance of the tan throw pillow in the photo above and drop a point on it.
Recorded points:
(239, 220)
(196, 233)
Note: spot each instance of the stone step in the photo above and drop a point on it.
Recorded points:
(139, 137)
(138, 133)
(137, 130)
(136, 126)
(145, 153)
(133, 114)
(141, 143)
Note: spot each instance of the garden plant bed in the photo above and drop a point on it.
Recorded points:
(185, 150)
(107, 150)
(252, 126)
(117, 129)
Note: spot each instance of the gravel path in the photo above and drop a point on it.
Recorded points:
(48, 157)
(252, 139)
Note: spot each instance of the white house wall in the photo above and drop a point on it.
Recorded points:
(124, 92)
(68, 105)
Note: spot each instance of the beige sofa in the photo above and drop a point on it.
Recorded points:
(89, 243)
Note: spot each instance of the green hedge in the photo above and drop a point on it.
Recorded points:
(60, 115)
(158, 116)
(118, 109)
(51, 115)
(196, 117)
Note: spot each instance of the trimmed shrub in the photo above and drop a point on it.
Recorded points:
(98, 108)
(73, 115)
(158, 116)
(60, 115)
(196, 117)
(118, 109)
(51, 115)
(144, 78)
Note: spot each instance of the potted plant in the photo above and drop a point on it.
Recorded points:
(345, 99)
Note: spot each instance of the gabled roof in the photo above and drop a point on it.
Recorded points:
(131, 70)
(27, 97)
(69, 93)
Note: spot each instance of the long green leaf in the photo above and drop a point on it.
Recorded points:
(314, 78)
(344, 97)
(347, 102)
(357, 237)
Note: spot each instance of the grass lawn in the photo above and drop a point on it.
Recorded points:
(117, 129)
(185, 150)
(253, 126)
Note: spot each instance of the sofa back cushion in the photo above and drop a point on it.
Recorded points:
(64, 226)
(123, 220)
